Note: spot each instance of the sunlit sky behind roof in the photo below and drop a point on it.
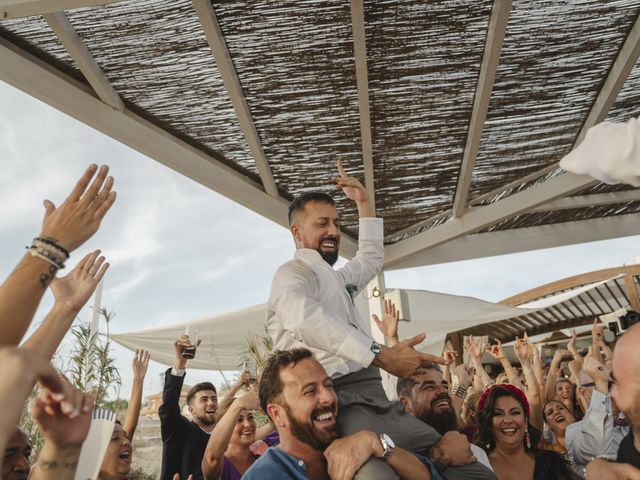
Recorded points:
(180, 251)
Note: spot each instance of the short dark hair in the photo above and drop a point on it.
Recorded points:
(198, 387)
(270, 383)
(298, 203)
(405, 385)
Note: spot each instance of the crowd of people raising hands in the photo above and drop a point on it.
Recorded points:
(576, 415)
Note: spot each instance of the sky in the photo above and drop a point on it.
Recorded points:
(180, 251)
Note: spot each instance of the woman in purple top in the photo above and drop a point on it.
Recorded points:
(229, 454)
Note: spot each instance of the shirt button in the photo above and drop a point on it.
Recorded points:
(301, 463)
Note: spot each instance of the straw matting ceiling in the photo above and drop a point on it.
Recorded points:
(558, 67)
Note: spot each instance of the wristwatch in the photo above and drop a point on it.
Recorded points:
(376, 349)
(387, 445)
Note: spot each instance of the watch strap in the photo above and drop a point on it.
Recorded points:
(386, 446)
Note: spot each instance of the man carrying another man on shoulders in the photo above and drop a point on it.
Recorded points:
(311, 306)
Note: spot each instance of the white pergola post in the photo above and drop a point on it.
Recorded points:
(376, 306)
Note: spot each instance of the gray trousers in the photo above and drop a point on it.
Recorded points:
(363, 405)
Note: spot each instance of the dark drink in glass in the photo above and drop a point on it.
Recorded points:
(193, 334)
(189, 352)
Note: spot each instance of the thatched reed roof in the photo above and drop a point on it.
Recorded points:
(588, 297)
(454, 113)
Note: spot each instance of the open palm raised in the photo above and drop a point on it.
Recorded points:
(75, 289)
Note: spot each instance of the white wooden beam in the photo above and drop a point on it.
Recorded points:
(29, 74)
(483, 217)
(25, 8)
(516, 183)
(492, 49)
(68, 36)
(218, 46)
(362, 82)
(490, 244)
(417, 226)
(584, 201)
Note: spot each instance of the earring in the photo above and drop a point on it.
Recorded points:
(527, 439)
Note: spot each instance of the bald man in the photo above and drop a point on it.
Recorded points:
(626, 392)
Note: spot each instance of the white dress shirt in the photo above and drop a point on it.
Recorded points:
(594, 435)
(309, 305)
(481, 456)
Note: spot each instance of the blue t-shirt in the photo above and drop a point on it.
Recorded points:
(276, 464)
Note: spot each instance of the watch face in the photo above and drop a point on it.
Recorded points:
(387, 439)
(375, 348)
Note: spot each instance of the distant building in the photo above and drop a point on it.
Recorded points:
(153, 402)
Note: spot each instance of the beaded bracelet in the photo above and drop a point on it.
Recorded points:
(460, 391)
(50, 243)
(49, 253)
(34, 253)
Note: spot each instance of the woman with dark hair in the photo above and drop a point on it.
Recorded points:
(511, 442)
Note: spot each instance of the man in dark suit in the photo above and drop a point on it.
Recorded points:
(184, 441)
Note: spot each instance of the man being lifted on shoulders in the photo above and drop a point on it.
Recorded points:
(311, 306)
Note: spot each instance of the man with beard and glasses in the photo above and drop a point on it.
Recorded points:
(426, 397)
(184, 441)
(299, 398)
(311, 306)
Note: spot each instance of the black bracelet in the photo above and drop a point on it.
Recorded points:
(460, 391)
(53, 243)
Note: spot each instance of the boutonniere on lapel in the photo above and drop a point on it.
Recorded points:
(352, 290)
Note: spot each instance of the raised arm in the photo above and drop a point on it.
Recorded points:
(536, 363)
(64, 425)
(369, 258)
(595, 434)
(71, 293)
(213, 460)
(532, 390)
(475, 350)
(355, 191)
(497, 352)
(389, 323)
(597, 339)
(169, 411)
(63, 230)
(450, 359)
(140, 365)
(245, 379)
(19, 370)
(553, 373)
(465, 375)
